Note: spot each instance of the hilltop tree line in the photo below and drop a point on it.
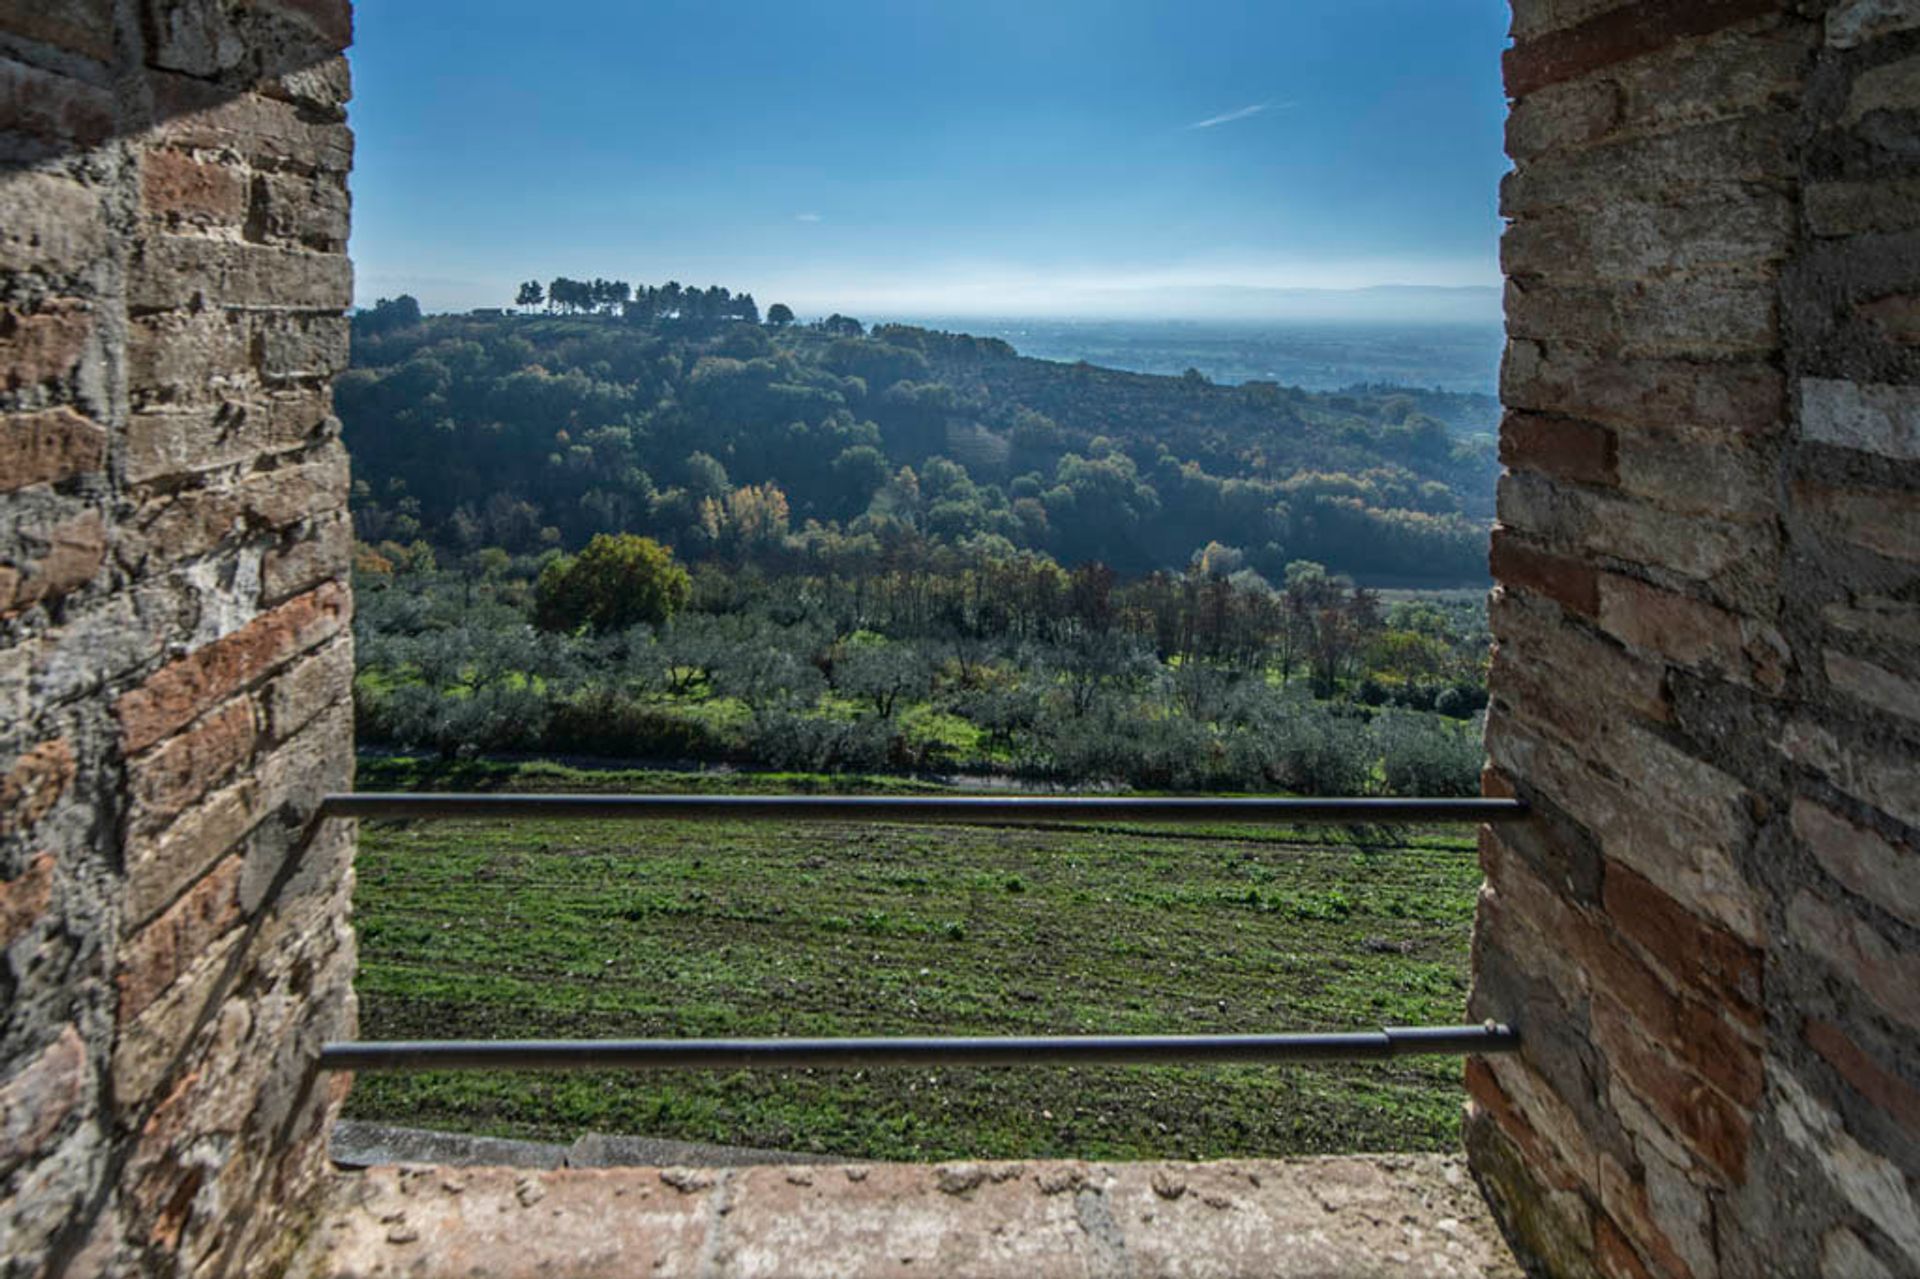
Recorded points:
(831, 447)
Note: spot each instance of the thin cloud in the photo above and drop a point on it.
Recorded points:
(806, 217)
(1240, 114)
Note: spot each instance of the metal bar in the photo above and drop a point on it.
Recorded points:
(844, 1054)
(946, 809)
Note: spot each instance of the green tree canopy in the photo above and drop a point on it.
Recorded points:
(620, 580)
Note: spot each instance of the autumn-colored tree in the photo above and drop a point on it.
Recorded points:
(620, 580)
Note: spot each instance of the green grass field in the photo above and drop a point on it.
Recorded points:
(598, 929)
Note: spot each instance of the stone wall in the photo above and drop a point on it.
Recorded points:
(1707, 679)
(174, 657)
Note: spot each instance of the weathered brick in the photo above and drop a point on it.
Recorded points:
(1872, 419)
(1618, 35)
(1651, 807)
(1883, 520)
(176, 271)
(24, 899)
(1840, 207)
(1851, 23)
(48, 447)
(43, 344)
(1741, 396)
(1871, 1184)
(1738, 73)
(1614, 1255)
(1712, 1126)
(331, 20)
(185, 189)
(37, 1102)
(150, 1043)
(1567, 582)
(1887, 975)
(1860, 860)
(1625, 1202)
(190, 357)
(183, 769)
(1580, 669)
(303, 348)
(76, 548)
(182, 690)
(1562, 447)
(155, 957)
(34, 784)
(1888, 1092)
(1895, 317)
(51, 114)
(1724, 970)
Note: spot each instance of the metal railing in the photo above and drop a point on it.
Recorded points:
(859, 1053)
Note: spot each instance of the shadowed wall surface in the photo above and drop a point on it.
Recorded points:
(1707, 681)
(174, 662)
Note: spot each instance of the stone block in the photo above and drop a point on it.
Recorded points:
(1690, 632)
(1839, 207)
(1860, 860)
(1872, 685)
(262, 130)
(171, 272)
(1677, 167)
(1748, 397)
(1887, 86)
(1645, 240)
(310, 210)
(1711, 316)
(175, 441)
(183, 689)
(1859, 955)
(48, 447)
(184, 768)
(1894, 318)
(161, 863)
(1700, 473)
(1740, 72)
(1870, 775)
(38, 1101)
(303, 348)
(42, 344)
(54, 225)
(155, 957)
(1852, 23)
(1562, 117)
(323, 679)
(1883, 520)
(1562, 664)
(320, 552)
(1884, 420)
(1872, 1184)
(148, 1045)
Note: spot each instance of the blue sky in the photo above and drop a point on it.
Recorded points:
(950, 157)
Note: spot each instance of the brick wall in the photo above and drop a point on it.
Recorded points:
(174, 659)
(1707, 678)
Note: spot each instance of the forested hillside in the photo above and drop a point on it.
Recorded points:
(821, 446)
